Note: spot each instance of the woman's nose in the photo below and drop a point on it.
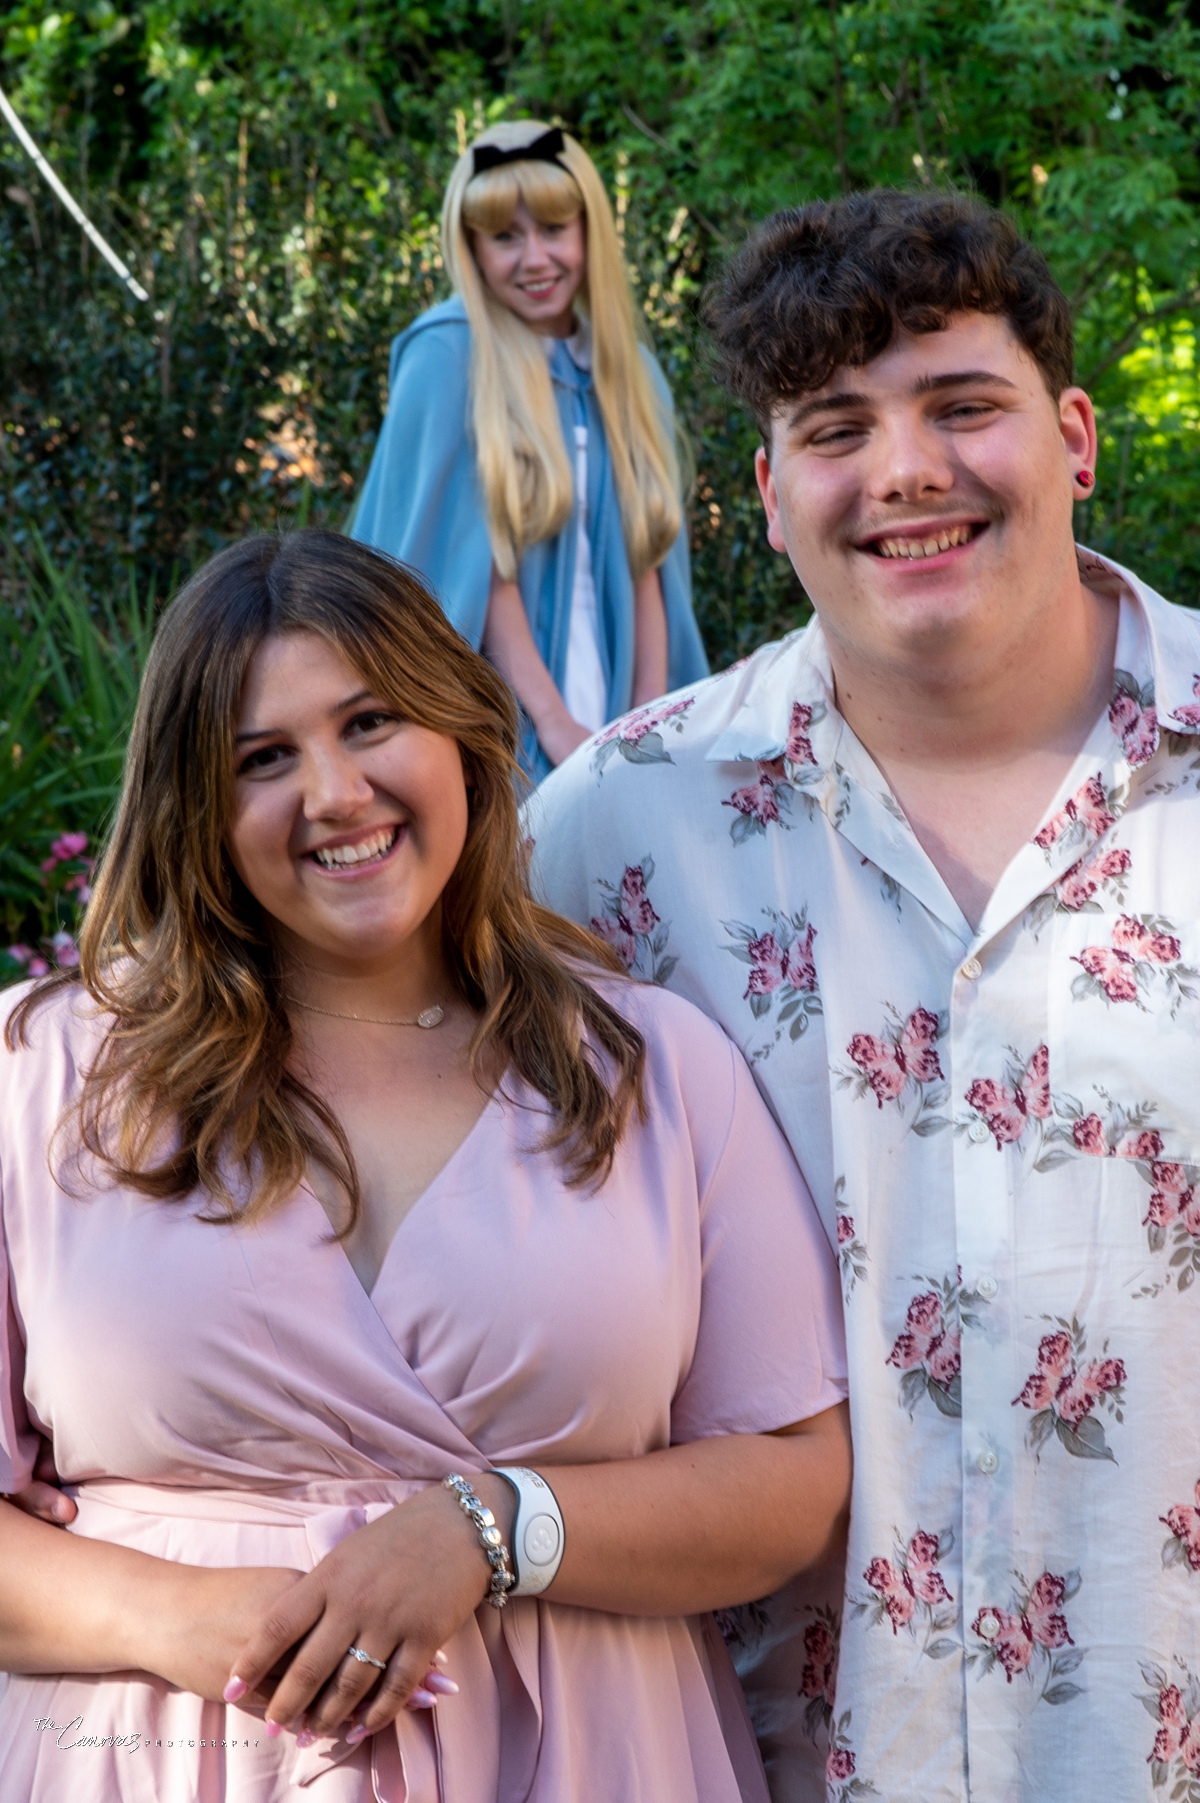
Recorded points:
(335, 788)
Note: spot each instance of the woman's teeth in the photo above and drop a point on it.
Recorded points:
(335, 857)
(924, 547)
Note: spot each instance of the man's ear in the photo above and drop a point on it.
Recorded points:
(1077, 418)
(765, 478)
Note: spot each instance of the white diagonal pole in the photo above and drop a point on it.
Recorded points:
(73, 208)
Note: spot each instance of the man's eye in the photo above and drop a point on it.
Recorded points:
(837, 435)
(971, 410)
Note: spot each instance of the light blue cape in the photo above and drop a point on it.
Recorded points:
(422, 503)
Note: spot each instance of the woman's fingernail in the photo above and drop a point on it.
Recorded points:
(305, 1738)
(357, 1733)
(234, 1690)
(439, 1658)
(439, 1682)
(274, 1730)
(61, 1508)
(422, 1699)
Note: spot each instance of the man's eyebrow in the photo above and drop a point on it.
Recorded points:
(958, 377)
(272, 732)
(835, 403)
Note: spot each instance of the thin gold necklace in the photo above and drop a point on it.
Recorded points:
(428, 1017)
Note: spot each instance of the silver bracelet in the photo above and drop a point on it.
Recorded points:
(490, 1538)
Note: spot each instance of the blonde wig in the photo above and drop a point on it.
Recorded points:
(194, 1087)
(524, 467)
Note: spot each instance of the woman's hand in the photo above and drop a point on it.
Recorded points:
(203, 1617)
(559, 735)
(398, 1588)
(42, 1497)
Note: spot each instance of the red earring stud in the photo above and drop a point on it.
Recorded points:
(1084, 478)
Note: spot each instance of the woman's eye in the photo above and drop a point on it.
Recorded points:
(262, 759)
(370, 721)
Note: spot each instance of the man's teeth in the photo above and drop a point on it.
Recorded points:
(924, 547)
(335, 855)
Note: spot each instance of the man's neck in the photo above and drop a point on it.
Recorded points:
(975, 743)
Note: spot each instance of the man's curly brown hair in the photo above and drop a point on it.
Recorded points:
(829, 285)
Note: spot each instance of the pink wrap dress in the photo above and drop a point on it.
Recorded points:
(231, 1395)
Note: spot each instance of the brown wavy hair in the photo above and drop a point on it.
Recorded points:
(193, 1086)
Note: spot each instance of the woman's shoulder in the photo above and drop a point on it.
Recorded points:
(443, 324)
(61, 1027)
(685, 1049)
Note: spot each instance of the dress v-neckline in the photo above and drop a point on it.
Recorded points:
(494, 1104)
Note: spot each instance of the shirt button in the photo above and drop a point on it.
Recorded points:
(986, 1287)
(989, 1625)
(971, 969)
(979, 1131)
(988, 1462)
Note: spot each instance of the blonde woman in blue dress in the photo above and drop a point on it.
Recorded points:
(527, 466)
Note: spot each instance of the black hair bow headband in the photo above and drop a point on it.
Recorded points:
(546, 149)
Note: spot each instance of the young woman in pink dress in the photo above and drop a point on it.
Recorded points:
(344, 1168)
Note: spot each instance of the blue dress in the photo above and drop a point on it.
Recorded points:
(422, 503)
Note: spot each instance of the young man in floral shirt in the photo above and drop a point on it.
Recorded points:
(933, 863)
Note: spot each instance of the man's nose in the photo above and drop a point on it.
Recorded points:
(909, 463)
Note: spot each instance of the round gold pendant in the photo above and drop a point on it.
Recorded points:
(431, 1017)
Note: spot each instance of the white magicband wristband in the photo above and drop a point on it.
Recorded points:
(538, 1536)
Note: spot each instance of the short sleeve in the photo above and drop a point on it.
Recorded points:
(770, 1348)
(18, 1440)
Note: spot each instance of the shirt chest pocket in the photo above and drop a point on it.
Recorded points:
(1124, 1033)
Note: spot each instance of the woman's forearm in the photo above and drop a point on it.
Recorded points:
(508, 644)
(69, 1604)
(701, 1526)
(650, 639)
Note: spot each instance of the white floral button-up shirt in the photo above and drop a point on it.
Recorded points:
(1002, 1131)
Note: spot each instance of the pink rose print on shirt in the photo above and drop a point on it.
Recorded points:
(798, 749)
(632, 927)
(1172, 1220)
(901, 1064)
(1174, 1706)
(1145, 955)
(1189, 714)
(1030, 1639)
(843, 1785)
(765, 802)
(1018, 1111)
(1087, 815)
(1133, 718)
(782, 984)
(1066, 1388)
(1101, 871)
(638, 736)
(852, 1254)
(1183, 1546)
(928, 1349)
(818, 1680)
(910, 1593)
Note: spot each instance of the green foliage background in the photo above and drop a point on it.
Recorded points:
(273, 172)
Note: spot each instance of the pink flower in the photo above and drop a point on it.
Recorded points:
(1083, 879)
(1144, 1144)
(20, 954)
(845, 1229)
(1136, 727)
(1079, 1393)
(1170, 1193)
(800, 972)
(923, 1325)
(757, 800)
(897, 1596)
(1184, 1523)
(819, 1677)
(1054, 1357)
(646, 720)
(839, 1765)
(922, 1576)
(1057, 1385)
(799, 746)
(69, 845)
(1177, 1735)
(1003, 1110)
(635, 903)
(1113, 970)
(1087, 807)
(1188, 715)
(1089, 1136)
(1130, 935)
(617, 934)
(1047, 1623)
(887, 1065)
(1013, 1645)
(65, 950)
(766, 966)
(945, 1359)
